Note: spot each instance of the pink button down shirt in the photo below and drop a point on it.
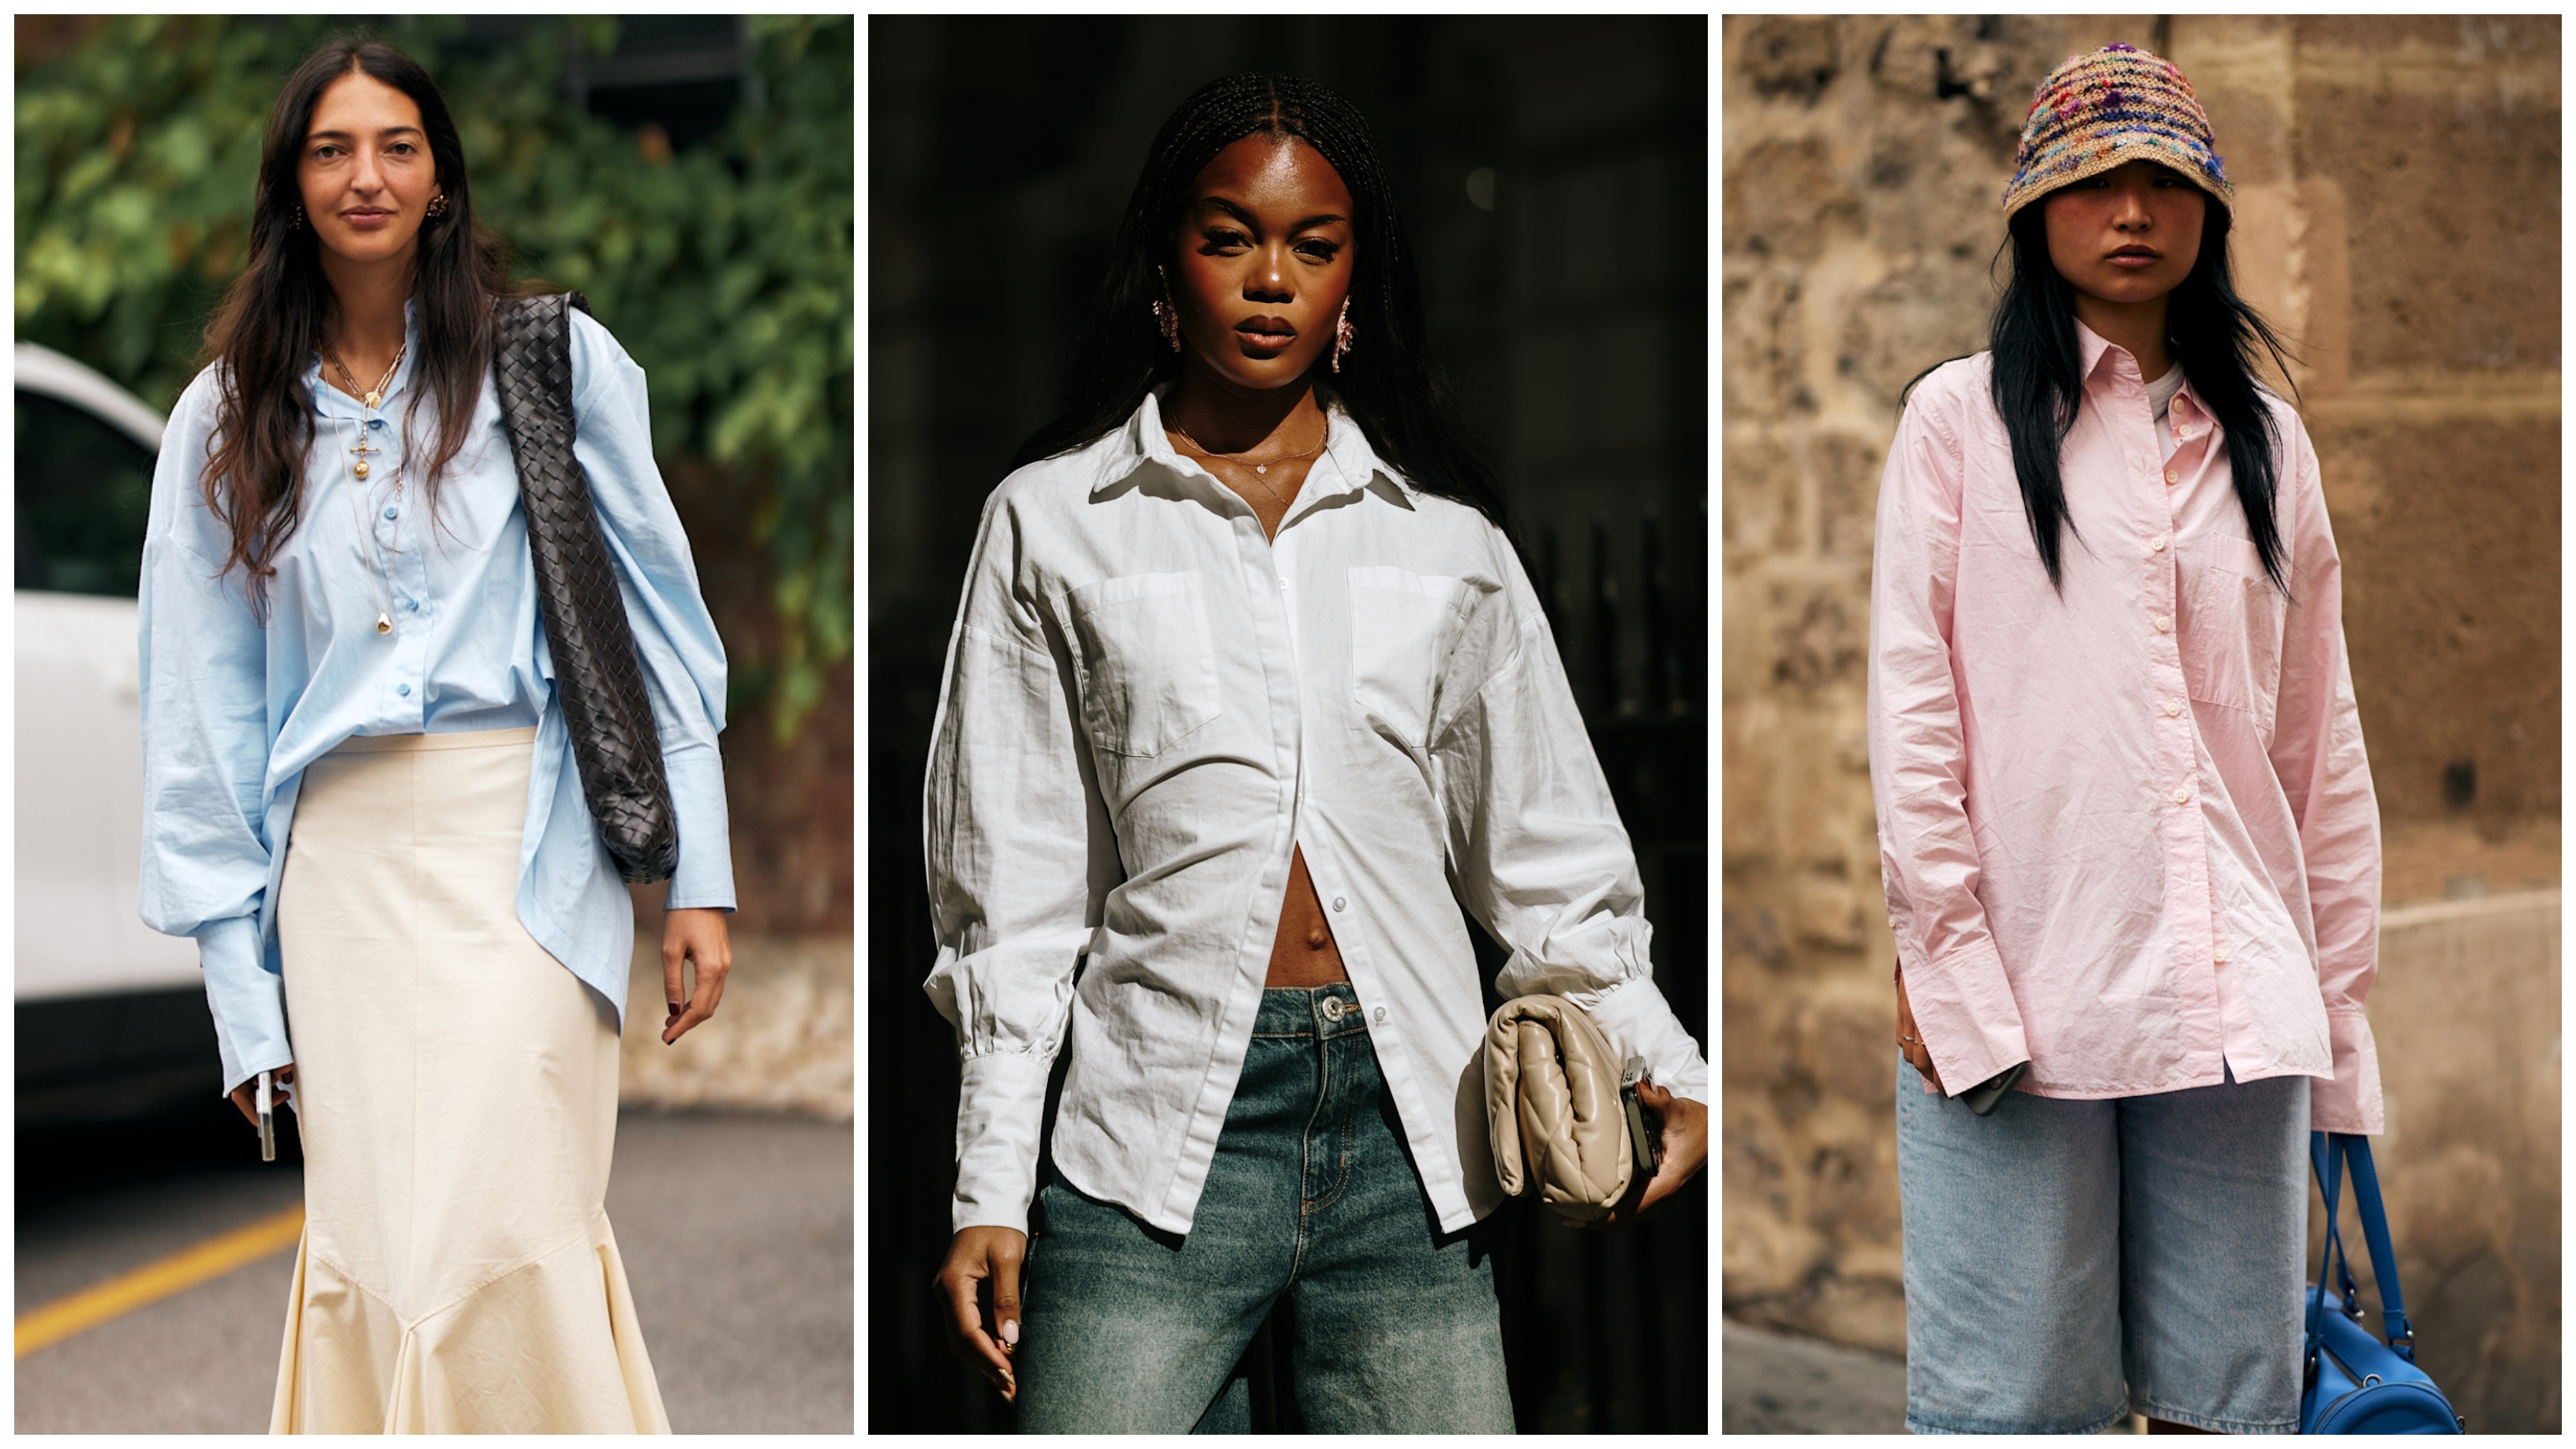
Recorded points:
(2127, 833)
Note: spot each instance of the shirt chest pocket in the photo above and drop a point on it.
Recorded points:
(1403, 626)
(1146, 661)
(2234, 634)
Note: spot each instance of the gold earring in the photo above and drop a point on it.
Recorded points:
(438, 204)
(296, 222)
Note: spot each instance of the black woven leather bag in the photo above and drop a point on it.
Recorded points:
(598, 677)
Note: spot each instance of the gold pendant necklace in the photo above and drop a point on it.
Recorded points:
(385, 614)
(1258, 468)
(372, 397)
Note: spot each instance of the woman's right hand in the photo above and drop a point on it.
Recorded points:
(974, 1255)
(244, 1095)
(1909, 1039)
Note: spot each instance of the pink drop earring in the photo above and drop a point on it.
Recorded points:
(1342, 335)
(1166, 316)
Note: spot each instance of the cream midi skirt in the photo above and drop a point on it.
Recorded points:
(456, 1091)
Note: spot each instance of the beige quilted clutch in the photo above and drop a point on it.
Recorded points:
(1552, 1104)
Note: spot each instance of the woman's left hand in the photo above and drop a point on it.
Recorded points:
(697, 935)
(1685, 1149)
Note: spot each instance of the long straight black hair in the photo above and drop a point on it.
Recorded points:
(2217, 337)
(1390, 383)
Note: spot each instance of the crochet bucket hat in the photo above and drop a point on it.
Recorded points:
(2099, 111)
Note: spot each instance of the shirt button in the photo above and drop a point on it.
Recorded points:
(1380, 1015)
(2172, 706)
(1338, 903)
(375, 422)
(2182, 432)
(415, 605)
(389, 512)
(1283, 586)
(2163, 625)
(2172, 476)
(2181, 796)
(2156, 544)
(2221, 957)
(402, 689)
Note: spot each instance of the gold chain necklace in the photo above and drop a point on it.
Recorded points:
(371, 397)
(1258, 468)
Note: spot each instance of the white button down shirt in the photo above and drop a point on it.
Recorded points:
(1148, 706)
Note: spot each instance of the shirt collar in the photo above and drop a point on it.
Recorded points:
(1346, 465)
(322, 390)
(2099, 353)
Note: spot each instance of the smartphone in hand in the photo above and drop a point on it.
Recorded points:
(1986, 1096)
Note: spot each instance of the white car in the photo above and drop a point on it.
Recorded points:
(112, 1018)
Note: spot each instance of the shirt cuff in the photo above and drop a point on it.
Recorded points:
(704, 876)
(1964, 1008)
(1001, 1107)
(2351, 1102)
(1639, 1022)
(247, 999)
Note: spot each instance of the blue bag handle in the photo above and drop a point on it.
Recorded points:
(2331, 1151)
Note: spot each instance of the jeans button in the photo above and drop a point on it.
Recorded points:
(1332, 1008)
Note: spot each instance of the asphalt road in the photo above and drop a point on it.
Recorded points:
(736, 1230)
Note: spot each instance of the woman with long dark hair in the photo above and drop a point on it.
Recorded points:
(361, 796)
(2126, 822)
(1248, 694)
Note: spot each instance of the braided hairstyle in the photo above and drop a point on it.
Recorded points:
(1390, 384)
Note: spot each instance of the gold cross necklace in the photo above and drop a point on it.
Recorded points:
(372, 397)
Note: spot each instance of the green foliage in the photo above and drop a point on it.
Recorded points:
(724, 269)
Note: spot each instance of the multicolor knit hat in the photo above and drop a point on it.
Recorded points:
(2099, 111)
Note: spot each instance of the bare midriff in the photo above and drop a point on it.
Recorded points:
(1303, 953)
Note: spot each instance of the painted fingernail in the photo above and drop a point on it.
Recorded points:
(1011, 1332)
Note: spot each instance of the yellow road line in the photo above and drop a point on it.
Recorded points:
(177, 1273)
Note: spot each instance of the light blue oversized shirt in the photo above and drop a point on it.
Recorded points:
(235, 707)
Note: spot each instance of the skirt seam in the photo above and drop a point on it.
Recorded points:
(523, 1265)
(413, 1322)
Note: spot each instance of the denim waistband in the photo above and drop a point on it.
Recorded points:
(1305, 1011)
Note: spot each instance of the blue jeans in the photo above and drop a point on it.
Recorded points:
(1312, 1197)
(2067, 1261)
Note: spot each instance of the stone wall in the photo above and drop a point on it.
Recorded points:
(2398, 219)
(780, 1041)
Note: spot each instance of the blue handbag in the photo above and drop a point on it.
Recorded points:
(2357, 1384)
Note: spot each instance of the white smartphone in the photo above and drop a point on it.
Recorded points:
(267, 1121)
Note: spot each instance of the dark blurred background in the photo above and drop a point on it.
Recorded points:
(1553, 177)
